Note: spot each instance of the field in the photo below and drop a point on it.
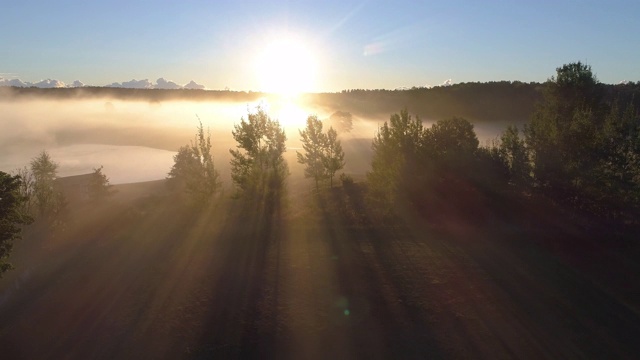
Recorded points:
(311, 276)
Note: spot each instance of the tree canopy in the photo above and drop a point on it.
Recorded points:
(257, 164)
(11, 217)
(49, 200)
(193, 170)
(98, 187)
(584, 146)
(333, 158)
(313, 143)
(397, 150)
(323, 154)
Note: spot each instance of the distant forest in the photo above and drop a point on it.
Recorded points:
(499, 101)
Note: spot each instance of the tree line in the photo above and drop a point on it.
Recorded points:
(580, 148)
(258, 167)
(32, 193)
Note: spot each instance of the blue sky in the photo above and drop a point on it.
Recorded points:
(358, 44)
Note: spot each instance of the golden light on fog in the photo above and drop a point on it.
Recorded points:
(291, 116)
(286, 66)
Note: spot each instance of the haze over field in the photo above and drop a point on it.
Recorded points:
(319, 180)
(84, 134)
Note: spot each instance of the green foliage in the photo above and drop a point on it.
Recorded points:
(194, 171)
(618, 170)
(48, 199)
(185, 163)
(26, 191)
(98, 187)
(585, 150)
(513, 151)
(562, 132)
(11, 216)
(333, 156)
(574, 86)
(397, 148)
(44, 171)
(313, 142)
(491, 168)
(323, 154)
(451, 143)
(428, 168)
(258, 165)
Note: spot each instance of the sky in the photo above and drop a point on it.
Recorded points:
(353, 44)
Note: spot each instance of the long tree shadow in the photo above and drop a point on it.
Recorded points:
(382, 322)
(104, 271)
(547, 309)
(241, 320)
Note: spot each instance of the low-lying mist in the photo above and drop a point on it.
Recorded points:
(136, 140)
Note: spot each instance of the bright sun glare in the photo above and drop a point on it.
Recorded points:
(286, 66)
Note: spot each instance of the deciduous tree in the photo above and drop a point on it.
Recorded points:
(396, 151)
(515, 154)
(193, 169)
(11, 217)
(257, 164)
(44, 170)
(333, 156)
(98, 187)
(314, 142)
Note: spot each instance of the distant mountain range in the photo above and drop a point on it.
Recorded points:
(161, 83)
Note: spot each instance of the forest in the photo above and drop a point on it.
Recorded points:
(524, 246)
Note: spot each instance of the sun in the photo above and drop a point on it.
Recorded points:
(286, 66)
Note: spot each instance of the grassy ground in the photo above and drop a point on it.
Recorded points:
(312, 276)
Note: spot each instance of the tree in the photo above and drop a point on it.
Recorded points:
(185, 164)
(425, 166)
(491, 168)
(515, 154)
(26, 190)
(452, 143)
(333, 156)
(11, 217)
(98, 187)
(618, 171)
(561, 133)
(396, 153)
(193, 169)
(574, 86)
(44, 171)
(570, 138)
(585, 148)
(314, 143)
(341, 121)
(257, 164)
